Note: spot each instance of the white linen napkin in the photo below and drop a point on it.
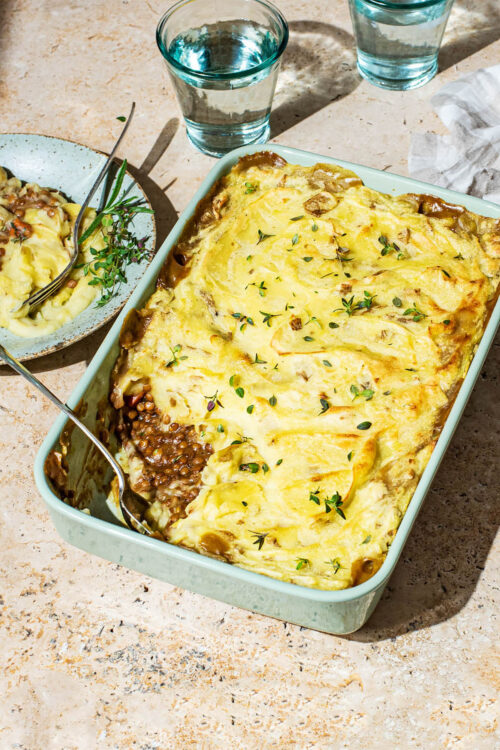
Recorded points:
(468, 159)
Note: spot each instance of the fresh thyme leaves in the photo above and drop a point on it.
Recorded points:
(416, 314)
(331, 503)
(349, 306)
(242, 439)
(314, 227)
(333, 325)
(279, 462)
(307, 259)
(295, 239)
(261, 287)
(349, 455)
(342, 254)
(220, 428)
(301, 562)
(175, 359)
(252, 467)
(364, 426)
(232, 380)
(297, 218)
(367, 393)
(122, 118)
(336, 565)
(446, 322)
(259, 538)
(446, 273)
(258, 361)
(324, 405)
(267, 317)
(250, 188)
(367, 539)
(122, 247)
(314, 496)
(244, 503)
(250, 408)
(334, 503)
(263, 236)
(244, 320)
(308, 338)
(397, 302)
(390, 247)
(366, 302)
(239, 392)
(265, 468)
(313, 319)
(213, 401)
(327, 363)
(458, 257)
(273, 401)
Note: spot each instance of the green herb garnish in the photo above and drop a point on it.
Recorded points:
(261, 287)
(252, 467)
(367, 539)
(367, 393)
(349, 455)
(175, 359)
(334, 503)
(327, 363)
(314, 227)
(301, 562)
(389, 247)
(336, 565)
(267, 317)
(263, 236)
(259, 538)
(239, 392)
(416, 314)
(250, 408)
(397, 302)
(364, 426)
(273, 401)
(297, 218)
(295, 239)
(250, 188)
(307, 259)
(324, 405)
(122, 247)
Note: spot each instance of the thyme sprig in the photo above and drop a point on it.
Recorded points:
(390, 247)
(122, 247)
(416, 314)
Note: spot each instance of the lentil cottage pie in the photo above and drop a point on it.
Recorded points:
(282, 390)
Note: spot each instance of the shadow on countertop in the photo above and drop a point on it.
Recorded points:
(474, 26)
(318, 67)
(447, 550)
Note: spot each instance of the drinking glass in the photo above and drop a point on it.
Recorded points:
(398, 40)
(223, 59)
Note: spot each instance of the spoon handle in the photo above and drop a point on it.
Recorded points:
(25, 373)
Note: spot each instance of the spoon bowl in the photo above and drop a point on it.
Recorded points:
(132, 505)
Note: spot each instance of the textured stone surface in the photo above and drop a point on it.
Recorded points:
(96, 656)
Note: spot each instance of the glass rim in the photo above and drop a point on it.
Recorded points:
(224, 74)
(405, 5)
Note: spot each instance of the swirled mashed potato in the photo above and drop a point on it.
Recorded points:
(314, 332)
(35, 246)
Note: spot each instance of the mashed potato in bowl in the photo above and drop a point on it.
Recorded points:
(36, 227)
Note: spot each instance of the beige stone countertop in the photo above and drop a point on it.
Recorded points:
(96, 656)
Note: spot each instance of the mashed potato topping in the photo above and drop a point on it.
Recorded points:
(35, 246)
(282, 391)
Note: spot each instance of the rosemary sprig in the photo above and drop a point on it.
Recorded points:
(122, 247)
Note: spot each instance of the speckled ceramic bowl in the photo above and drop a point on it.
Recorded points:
(72, 169)
(99, 532)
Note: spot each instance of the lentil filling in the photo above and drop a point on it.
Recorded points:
(173, 457)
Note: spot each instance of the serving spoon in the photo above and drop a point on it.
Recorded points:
(47, 291)
(132, 505)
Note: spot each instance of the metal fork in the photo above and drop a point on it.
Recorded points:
(36, 299)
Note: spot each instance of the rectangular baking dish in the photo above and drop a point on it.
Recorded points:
(98, 532)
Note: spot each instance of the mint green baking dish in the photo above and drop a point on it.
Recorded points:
(100, 533)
